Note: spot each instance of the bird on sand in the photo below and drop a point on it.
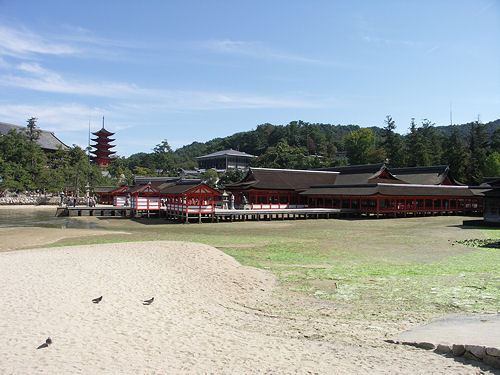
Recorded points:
(46, 343)
(149, 301)
(97, 300)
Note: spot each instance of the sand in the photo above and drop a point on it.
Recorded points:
(210, 316)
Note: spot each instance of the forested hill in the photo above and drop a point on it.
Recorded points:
(316, 139)
(463, 130)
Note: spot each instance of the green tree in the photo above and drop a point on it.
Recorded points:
(32, 130)
(393, 145)
(231, 176)
(478, 143)
(492, 165)
(141, 171)
(456, 155)
(119, 171)
(282, 156)
(495, 141)
(22, 163)
(163, 159)
(210, 177)
(360, 147)
(424, 146)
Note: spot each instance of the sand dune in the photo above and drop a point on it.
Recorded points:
(210, 316)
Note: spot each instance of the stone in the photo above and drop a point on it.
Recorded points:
(494, 352)
(492, 361)
(443, 349)
(476, 350)
(471, 356)
(458, 350)
(425, 345)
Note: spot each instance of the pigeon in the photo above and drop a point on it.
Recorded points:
(97, 300)
(46, 343)
(149, 301)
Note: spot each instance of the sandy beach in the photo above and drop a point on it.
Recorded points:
(210, 316)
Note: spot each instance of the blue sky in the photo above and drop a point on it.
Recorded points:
(194, 70)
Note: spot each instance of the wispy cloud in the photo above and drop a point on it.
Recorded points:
(33, 76)
(408, 43)
(256, 50)
(22, 43)
(66, 117)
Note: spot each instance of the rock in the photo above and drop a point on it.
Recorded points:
(476, 350)
(494, 352)
(425, 345)
(458, 350)
(443, 349)
(471, 356)
(492, 361)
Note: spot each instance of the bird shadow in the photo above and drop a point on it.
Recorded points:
(44, 345)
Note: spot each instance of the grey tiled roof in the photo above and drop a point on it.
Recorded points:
(229, 152)
(391, 190)
(283, 179)
(47, 140)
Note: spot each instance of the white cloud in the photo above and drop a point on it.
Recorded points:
(21, 43)
(41, 79)
(34, 77)
(256, 50)
(372, 39)
(53, 117)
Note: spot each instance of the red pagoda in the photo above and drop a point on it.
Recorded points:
(102, 147)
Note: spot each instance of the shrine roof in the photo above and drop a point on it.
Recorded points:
(429, 175)
(185, 186)
(392, 190)
(363, 174)
(105, 189)
(283, 179)
(229, 152)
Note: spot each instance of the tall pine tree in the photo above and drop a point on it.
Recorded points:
(393, 144)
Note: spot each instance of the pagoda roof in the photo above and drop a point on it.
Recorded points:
(102, 151)
(103, 139)
(103, 132)
(100, 145)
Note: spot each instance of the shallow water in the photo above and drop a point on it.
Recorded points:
(44, 218)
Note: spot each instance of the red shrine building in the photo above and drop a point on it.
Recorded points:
(102, 153)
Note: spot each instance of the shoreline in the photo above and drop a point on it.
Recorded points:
(27, 206)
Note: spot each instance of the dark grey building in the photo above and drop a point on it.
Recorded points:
(224, 160)
(47, 140)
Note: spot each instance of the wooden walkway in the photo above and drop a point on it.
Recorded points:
(283, 214)
(93, 211)
(220, 215)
